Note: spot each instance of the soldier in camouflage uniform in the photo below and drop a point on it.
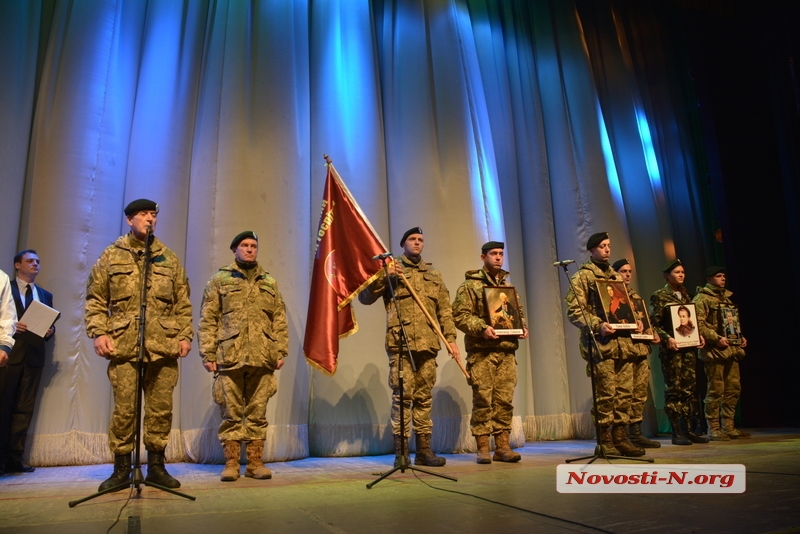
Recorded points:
(243, 336)
(720, 358)
(491, 362)
(423, 343)
(112, 321)
(677, 364)
(640, 368)
(613, 367)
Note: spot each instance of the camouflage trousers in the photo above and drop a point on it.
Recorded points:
(613, 384)
(494, 377)
(680, 383)
(160, 379)
(417, 386)
(641, 379)
(245, 392)
(723, 388)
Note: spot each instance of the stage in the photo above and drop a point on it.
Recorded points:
(330, 495)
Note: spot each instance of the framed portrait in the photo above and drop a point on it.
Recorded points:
(729, 325)
(616, 304)
(684, 325)
(504, 317)
(641, 315)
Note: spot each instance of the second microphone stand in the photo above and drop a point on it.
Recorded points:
(402, 462)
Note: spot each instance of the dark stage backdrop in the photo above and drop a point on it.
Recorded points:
(535, 123)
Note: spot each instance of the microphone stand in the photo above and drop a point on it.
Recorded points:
(403, 464)
(598, 449)
(136, 479)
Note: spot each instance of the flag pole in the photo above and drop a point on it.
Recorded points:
(433, 323)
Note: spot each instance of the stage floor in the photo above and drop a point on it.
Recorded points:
(329, 495)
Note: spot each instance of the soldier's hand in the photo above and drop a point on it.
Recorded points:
(639, 326)
(672, 344)
(211, 367)
(524, 334)
(702, 342)
(454, 352)
(723, 342)
(744, 342)
(656, 338)
(606, 329)
(185, 346)
(396, 269)
(50, 331)
(489, 333)
(20, 327)
(103, 346)
(3, 358)
(279, 364)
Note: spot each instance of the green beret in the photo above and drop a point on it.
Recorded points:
(415, 230)
(617, 265)
(249, 234)
(491, 245)
(596, 239)
(671, 265)
(141, 204)
(714, 269)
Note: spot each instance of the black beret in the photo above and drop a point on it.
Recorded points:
(596, 239)
(714, 269)
(138, 205)
(619, 263)
(241, 237)
(671, 265)
(491, 245)
(415, 230)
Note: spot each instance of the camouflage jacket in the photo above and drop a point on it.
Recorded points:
(113, 300)
(708, 301)
(242, 321)
(429, 286)
(616, 346)
(660, 302)
(472, 317)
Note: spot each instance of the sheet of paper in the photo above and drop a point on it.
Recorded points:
(39, 318)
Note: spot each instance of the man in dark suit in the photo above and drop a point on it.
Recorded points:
(24, 369)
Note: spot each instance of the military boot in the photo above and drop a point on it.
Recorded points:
(425, 455)
(484, 456)
(232, 450)
(732, 431)
(255, 467)
(690, 431)
(639, 439)
(157, 473)
(502, 449)
(715, 433)
(398, 450)
(606, 446)
(121, 474)
(678, 436)
(619, 436)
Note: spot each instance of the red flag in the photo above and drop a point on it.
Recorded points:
(343, 266)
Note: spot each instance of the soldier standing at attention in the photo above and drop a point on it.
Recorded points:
(719, 356)
(491, 362)
(613, 367)
(641, 370)
(112, 321)
(243, 336)
(677, 364)
(422, 341)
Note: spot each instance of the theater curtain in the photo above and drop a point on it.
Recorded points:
(531, 123)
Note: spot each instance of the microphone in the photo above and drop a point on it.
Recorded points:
(562, 263)
(382, 256)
